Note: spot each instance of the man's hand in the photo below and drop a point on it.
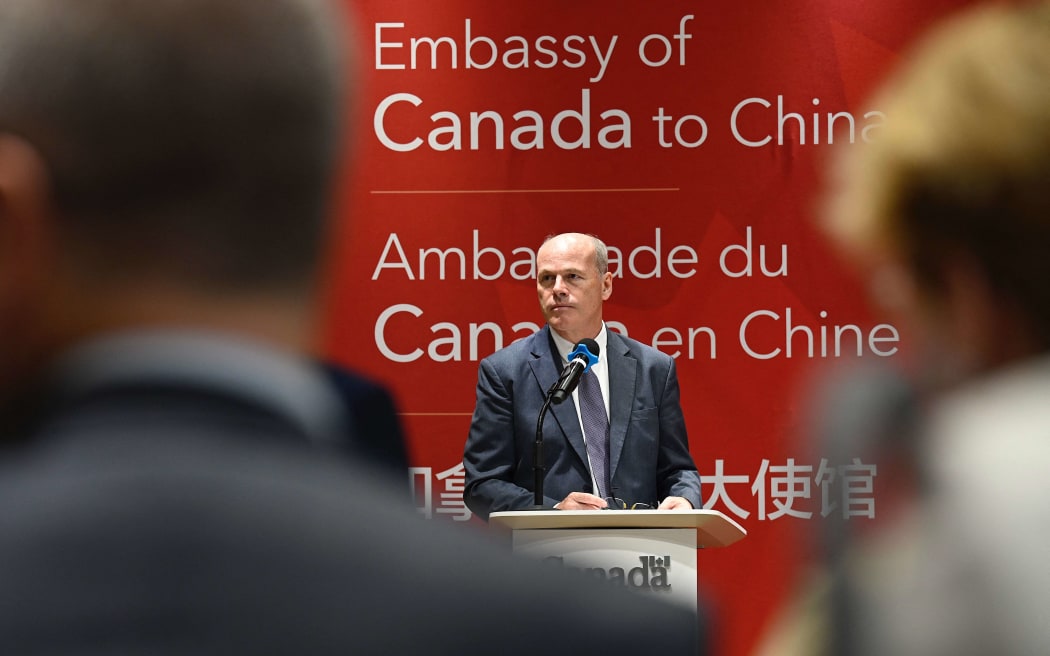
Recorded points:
(675, 503)
(583, 501)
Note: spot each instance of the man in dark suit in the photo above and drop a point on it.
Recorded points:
(169, 482)
(644, 456)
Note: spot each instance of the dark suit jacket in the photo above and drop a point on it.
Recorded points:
(174, 516)
(649, 455)
(375, 430)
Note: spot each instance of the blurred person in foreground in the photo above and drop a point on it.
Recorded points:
(950, 210)
(166, 481)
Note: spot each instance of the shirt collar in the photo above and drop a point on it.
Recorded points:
(283, 381)
(565, 347)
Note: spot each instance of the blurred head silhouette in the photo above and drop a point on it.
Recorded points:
(950, 205)
(949, 210)
(161, 162)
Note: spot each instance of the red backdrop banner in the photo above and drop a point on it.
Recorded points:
(691, 137)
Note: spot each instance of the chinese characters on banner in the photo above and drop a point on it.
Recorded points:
(776, 491)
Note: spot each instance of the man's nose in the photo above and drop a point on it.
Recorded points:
(560, 288)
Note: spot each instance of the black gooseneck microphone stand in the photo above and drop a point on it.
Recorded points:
(538, 464)
(582, 357)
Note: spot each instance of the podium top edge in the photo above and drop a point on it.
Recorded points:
(713, 528)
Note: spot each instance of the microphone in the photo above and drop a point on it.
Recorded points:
(583, 356)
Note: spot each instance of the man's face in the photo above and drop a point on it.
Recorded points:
(570, 289)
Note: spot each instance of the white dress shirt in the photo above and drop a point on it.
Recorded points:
(600, 369)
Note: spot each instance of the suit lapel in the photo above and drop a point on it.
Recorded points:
(623, 370)
(544, 364)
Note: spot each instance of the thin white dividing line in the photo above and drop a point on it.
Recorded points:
(436, 414)
(416, 192)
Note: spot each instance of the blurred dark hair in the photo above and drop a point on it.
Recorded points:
(194, 137)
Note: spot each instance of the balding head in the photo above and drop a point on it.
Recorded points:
(572, 283)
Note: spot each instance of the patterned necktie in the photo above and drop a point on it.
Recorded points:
(595, 429)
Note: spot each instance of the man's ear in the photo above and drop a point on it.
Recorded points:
(26, 222)
(607, 282)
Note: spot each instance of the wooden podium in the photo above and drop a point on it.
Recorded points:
(649, 551)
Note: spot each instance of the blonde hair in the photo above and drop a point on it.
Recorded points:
(962, 165)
